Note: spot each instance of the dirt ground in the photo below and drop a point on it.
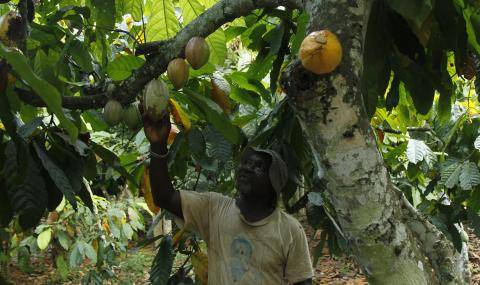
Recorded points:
(134, 268)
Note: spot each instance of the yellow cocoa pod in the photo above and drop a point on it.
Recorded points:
(321, 52)
(177, 72)
(221, 93)
(197, 52)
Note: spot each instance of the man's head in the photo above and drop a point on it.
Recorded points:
(261, 174)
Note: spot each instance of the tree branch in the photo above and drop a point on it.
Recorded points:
(162, 53)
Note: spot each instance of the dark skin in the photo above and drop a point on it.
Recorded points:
(255, 195)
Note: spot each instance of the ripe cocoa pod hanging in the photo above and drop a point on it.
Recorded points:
(132, 117)
(321, 52)
(155, 99)
(177, 72)
(11, 28)
(113, 112)
(221, 93)
(197, 52)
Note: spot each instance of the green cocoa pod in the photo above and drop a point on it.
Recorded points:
(197, 52)
(113, 112)
(155, 99)
(132, 117)
(177, 72)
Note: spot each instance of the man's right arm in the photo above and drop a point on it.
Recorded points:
(163, 192)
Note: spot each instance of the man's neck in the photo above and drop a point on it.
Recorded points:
(254, 210)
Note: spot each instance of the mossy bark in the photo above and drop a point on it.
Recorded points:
(391, 241)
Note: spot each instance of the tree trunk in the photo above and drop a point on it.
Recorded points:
(391, 241)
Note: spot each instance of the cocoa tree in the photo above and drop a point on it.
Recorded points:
(392, 48)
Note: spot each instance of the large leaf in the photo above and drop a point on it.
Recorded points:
(44, 238)
(477, 143)
(191, 9)
(420, 87)
(47, 92)
(200, 267)
(113, 161)
(376, 71)
(418, 151)
(104, 14)
(132, 7)
(122, 67)
(413, 10)
(470, 176)
(57, 174)
(216, 117)
(450, 174)
(162, 23)
(26, 192)
(163, 262)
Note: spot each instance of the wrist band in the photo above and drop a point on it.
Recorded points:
(159, 156)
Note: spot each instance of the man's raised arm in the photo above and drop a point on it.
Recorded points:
(164, 195)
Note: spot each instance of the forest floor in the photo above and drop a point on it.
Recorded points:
(133, 268)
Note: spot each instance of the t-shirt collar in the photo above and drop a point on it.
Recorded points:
(261, 222)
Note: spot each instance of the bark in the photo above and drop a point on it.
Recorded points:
(392, 242)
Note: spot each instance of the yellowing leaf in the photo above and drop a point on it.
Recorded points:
(178, 236)
(147, 192)
(179, 115)
(2, 127)
(44, 238)
(200, 266)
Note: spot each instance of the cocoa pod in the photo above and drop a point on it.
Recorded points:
(132, 117)
(197, 52)
(113, 112)
(155, 99)
(177, 72)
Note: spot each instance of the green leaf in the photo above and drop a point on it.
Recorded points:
(474, 221)
(62, 267)
(57, 174)
(113, 161)
(162, 22)
(76, 255)
(376, 73)
(450, 174)
(104, 14)
(127, 231)
(393, 95)
(216, 117)
(63, 239)
(122, 67)
(29, 128)
(302, 21)
(418, 151)
(477, 143)
(419, 86)
(218, 47)
(191, 9)
(47, 92)
(163, 262)
(68, 11)
(196, 143)
(44, 238)
(470, 176)
(81, 55)
(90, 252)
(413, 10)
(132, 7)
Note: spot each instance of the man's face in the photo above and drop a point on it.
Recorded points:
(252, 178)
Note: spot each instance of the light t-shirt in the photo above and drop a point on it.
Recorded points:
(272, 251)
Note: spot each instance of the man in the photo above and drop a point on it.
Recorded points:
(250, 240)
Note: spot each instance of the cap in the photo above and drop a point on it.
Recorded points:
(278, 171)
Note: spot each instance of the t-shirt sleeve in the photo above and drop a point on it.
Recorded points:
(299, 265)
(196, 208)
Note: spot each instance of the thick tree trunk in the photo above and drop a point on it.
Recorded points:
(391, 241)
